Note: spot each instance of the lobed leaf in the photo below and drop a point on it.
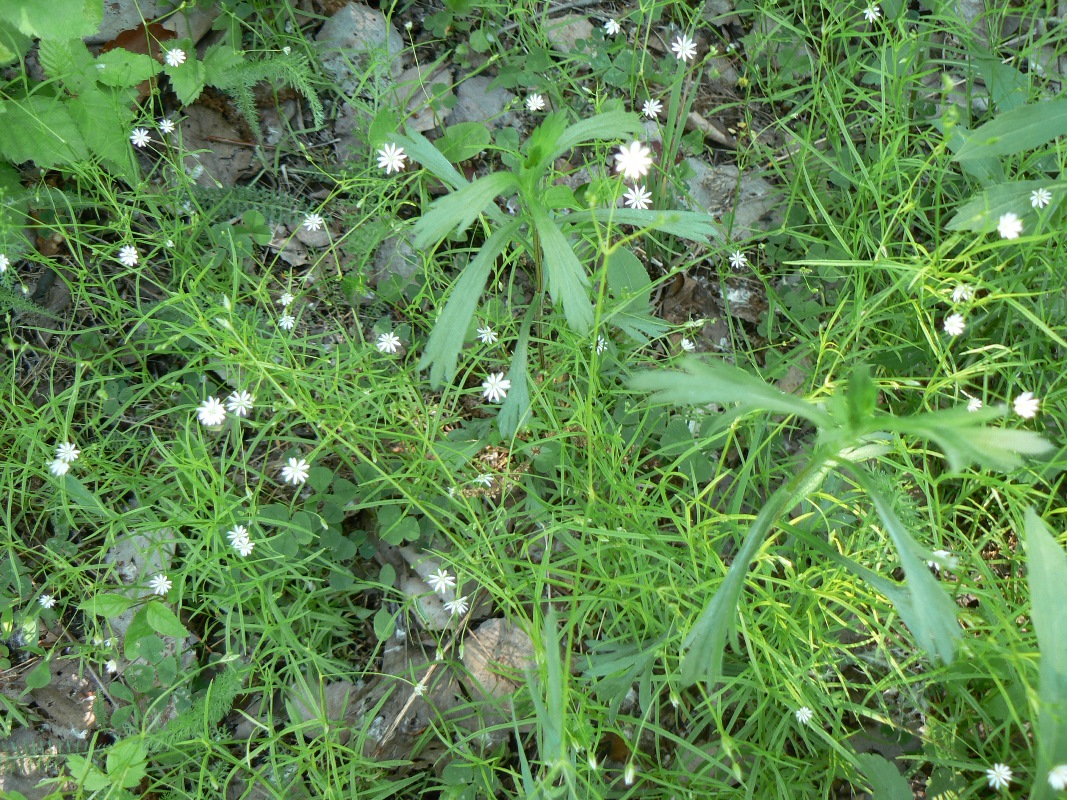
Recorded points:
(608, 126)
(458, 210)
(567, 281)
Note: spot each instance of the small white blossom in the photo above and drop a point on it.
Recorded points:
(637, 197)
(388, 343)
(112, 666)
(47, 601)
(296, 471)
(166, 125)
(175, 57)
(441, 581)
(684, 48)
(999, 776)
(140, 137)
(457, 607)
(872, 13)
(496, 387)
(211, 412)
(954, 325)
(5, 262)
(238, 533)
(612, 27)
(244, 547)
(418, 690)
(391, 158)
(962, 293)
(688, 345)
(601, 344)
(942, 558)
(629, 775)
(1039, 198)
(1026, 405)
(160, 584)
(169, 243)
(1009, 226)
(1057, 777)
(240, 403)
(67, 452)
(974, 404)
(633, 161)
(535, 102)
(804, 715)
(128, 255)
(651, 108)
(487, 335)
(286, 299)
(738, 260)
(286, 322)
(485, 479)
(314, 222)
(59, 468)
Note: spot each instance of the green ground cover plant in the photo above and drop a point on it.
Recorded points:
(393, 471)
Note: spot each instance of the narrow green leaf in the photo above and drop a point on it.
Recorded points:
(1047, 567)
(458, 210)
(692, 225)
(608, 126)
(716, 381)
(983, 211)
(516, 408)
(106, 605)
(420, 149)
(1022, 128)
(885, 779)
(85, 499)
(446, 338)
(567, 280)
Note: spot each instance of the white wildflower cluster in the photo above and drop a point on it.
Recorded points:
(241, 540)
(212, 411)
(66, 454)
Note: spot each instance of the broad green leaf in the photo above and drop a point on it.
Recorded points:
(923, 604)
(188, 79)
(446, 339)
(610, 125)
(13, 44)
(861, 396)
(458, 210)
(85, 499)
(1047, 575)
(884, 777)
(106, 605)
(163, 621)
(122, 69)
(40, 676)
(218, 62)
(982, 212)
(965, 440)
(54, 19)
(86, 774)
(126, 762)
(692, 225)
(384, 624)
(420, 149)
(639, 327)
(463, 141)
(516, 408)
(69, 61)
(41, 129)
(104, 117)
(1022, 128)
(1007, 86)
(567, 281)
(716, 381)
(628, 279)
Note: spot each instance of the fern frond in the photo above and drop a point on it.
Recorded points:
(239, 80)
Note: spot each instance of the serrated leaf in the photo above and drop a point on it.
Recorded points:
(41, 129)
(1047, 575)
(641, 328)
(53, 19)
(104, 117)
(983, 211)
(1023, 128)
(13, 44)
(458, 210)
(886, 781)
(218, 61)
(122, 69)
(715, 381)
(446, 339)
(567, 281)
(69, 61)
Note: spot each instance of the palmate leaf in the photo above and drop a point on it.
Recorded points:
(458, 210)
(1047, 567)
(446, 339)
(567, 281)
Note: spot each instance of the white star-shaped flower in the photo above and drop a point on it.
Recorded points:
(1009, 226)
(166, 125)
(211, 412)
(872, 13)
(998, 777)
(684, 48)
(313, 222)
(5, 262)
(391, 158)
(633, 161)
(286, 299)
(1039, 198)
(651, 108)
(1057, 777)
(485, 479)
(238, 533)
(388, 343)
(244, 547)
(47, 601)
(160, 584)
(688, 345)
(128, 255)
(457, 607)
(296, 471)
(612, 27)
(440, 581)
(738, 260)
(962, 293)
(804, 715)
(140, 137)
(112, 666)
(601, 344)
(175, 57)
(487, 335)
(240, 403)
(67, 452)
(496, 387)
(954, 325)
(535, 102)
(1026, 405)
(637, 197)
(59, 468)
(286, 322)
(974, 404)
